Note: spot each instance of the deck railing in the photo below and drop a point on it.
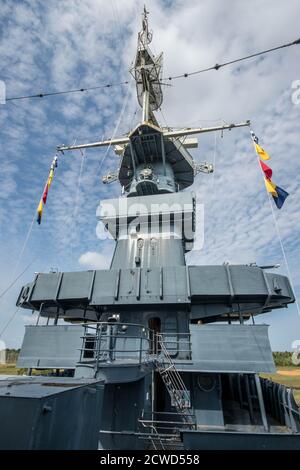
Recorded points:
(280, 404)
(116, 341)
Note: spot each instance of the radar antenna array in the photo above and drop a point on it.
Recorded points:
(147, 72)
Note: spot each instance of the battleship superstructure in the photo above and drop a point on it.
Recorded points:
(152, 353)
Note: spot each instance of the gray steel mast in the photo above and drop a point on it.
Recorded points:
(155, 162)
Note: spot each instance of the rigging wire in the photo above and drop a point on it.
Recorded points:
(132, 120)
(164, 118)
(75, 208)
(83, 158)
(65, 92)
(224, 64)
(116, 128)
(77, 197)
(199, 122)
(9, 322)
(170, 78)
(17, 278)
(20, 256)
(214, 163)
(116, 16)
(24, 244)
(279, 236)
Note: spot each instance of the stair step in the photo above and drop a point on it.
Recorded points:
(173, 381)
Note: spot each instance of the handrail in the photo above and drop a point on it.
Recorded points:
(177, 376)
(282, 407)
(94, 325)
(116, 350)
(103, 341)
(174, 383)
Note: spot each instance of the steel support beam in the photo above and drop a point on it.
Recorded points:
(261, 403)
(170, 134)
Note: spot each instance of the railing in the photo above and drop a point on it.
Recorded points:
(280, 404)
(162, 429)
(174, 383)
(159, 423)
(164, 421)
(115, 341)
(174, 343)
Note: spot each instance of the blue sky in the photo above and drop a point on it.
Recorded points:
(57, 45)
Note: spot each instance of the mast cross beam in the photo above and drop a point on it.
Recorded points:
(169, 134)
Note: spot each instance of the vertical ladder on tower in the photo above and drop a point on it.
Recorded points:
(174, 384)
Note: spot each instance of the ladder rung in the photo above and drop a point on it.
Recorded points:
(168, 368)
(173, 382)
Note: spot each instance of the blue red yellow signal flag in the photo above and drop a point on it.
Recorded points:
(278, 194)
(43, 199)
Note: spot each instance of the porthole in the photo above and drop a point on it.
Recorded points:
(206, 382)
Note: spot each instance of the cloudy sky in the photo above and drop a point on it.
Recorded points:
(65, 44)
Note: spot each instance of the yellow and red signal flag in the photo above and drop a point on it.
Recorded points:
(279, 195)
(45, 193)
(266, 169)
(46, 190)
(258, 148)
(261, 152)
(40, 212)
(50, 177)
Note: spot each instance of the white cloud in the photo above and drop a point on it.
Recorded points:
(94, 260)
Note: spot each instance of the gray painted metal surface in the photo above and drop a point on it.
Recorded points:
(214, 348)
(146, 139)
(210, 290)
(52, 346)
(230, 348)
(45, 413)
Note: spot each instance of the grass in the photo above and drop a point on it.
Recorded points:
(297, 396)
(10, 369)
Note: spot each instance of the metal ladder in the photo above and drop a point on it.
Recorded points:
(174, 384)
(180, 400)
(155, 438)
